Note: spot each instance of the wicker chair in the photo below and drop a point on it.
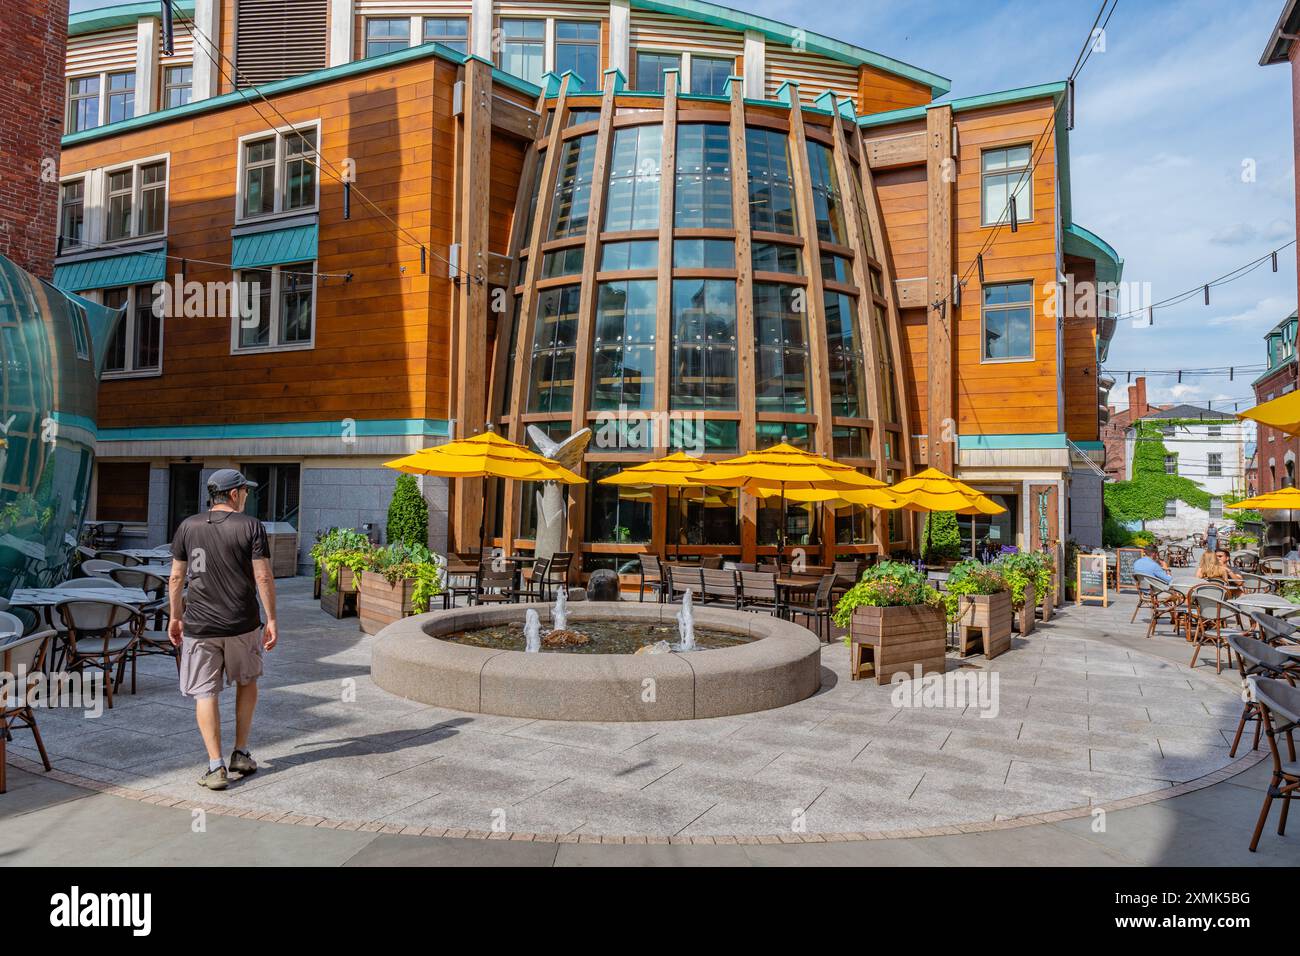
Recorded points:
(1212, 617)
(103, 635)
(28, 655)
(1162, 601)
(1279, 705)
(1257, 659)
(158, 606)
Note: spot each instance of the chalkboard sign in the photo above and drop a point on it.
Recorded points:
(1124, 573)
(1090, 584)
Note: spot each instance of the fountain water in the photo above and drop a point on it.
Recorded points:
(532, 632)
(560, 616)
(685, 625)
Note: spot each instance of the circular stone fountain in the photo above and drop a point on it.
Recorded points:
(777, 664)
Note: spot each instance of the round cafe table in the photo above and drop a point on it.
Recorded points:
(1275, 604)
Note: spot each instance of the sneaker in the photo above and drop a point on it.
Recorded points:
(242, 762)
(215, 779)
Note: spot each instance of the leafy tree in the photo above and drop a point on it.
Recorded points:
(941, 538)
(408, 514)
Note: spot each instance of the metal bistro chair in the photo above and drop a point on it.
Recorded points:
(557, 574)
(493, 586)
(721, 587)
(1254, 583)
(532, 582)
(1244, 560)
(25, 654)
(159, 606)
(1279, 705)
(819, 612)
(118, 557)
(758, 592)
(1212, 615)
(1162, 601)
(99, 568)
(1275, 631)
(105, 534)
(1148, 587)
(652, 577)
(1257, 659)
(103, 635)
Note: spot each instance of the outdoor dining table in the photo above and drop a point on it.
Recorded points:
(160, 553)
(1275, 604)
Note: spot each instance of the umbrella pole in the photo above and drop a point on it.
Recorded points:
(677, 515)
(780, 535)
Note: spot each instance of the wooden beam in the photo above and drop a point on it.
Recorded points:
(745, 338)
(664, 298)
(940, 174)
(515, 119)
(890, 152)
(471, 342)
(911, 293)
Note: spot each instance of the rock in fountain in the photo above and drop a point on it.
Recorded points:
(560, 635)
(532, 632)
(685, 625)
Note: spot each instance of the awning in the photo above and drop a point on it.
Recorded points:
(107, 272)
(275, 247)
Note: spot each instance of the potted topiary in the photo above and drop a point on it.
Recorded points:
(978, 601)
(1023, 573)
(400, 580)
(895, 622)
(408, 513)
(941, 539)
(339, 555)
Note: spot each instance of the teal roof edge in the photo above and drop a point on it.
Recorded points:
(1043, 440)
(1084, 242)
(120, 15)
(365, 428)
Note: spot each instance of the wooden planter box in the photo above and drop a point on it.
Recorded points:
(340, 603)
(1047, 603)
(380, 603)
(985, 624)
(1027, 613)
(893, 639)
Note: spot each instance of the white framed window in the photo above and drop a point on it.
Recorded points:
(87, 108)
(650, 67)
(1216, 507)
(83, 103)
(277, 308)
(135, 350)
(1214, 464)
(1214, 431)
(135, 200)
(384, 35)
(1171, 464)
(1008, 320)
(178, 85)
(523, 47)
(120, 102)
(1171, 508)
(277, 172)
(1004, 171)
(451, 32)
(72, 212)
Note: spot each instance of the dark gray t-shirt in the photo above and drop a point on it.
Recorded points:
(219, 548)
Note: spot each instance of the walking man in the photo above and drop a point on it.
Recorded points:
(216, 624)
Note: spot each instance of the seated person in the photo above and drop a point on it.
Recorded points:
(1214, 566)
(1150, 565)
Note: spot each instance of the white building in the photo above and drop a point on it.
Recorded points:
(1204, 446)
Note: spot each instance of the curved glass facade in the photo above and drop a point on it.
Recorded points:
(676, 308)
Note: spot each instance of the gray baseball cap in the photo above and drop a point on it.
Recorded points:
(227, 479)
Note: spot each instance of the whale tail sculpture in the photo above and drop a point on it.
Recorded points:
(552, 511)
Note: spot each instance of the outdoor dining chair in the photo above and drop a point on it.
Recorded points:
(458, 584)
(1254, 583)
(118, 557)
(1244, 560)
(759, 592)
(532, 585)
(102, 635)
(652, 577)
(720, 587)
(820, 610)
(1279, 705)
(159, 606)
(1272, 566)
(1148, 587)
(1212, 617)
(739, 566)
(1256, 659)
(1274, 630)
(99, 568)
(1160, 599)
(104, 534)
(493, 585)
(25, 654)
(680, 580)
(1185, 617)
(557, 574)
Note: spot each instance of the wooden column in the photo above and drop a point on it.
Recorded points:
(940, 172)
(894, 329)
(470, 391)
(587, 302)
(518, 394)
(745, 341)
(663, 501)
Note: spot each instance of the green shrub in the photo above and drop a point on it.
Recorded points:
(339, 548)
(971, 577)
(1023, 569)
(1143, 538)
(941, 538)
(408, 513)
(400, 561)
(1114, 534)
(887, 584)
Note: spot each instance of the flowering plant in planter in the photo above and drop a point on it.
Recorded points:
(340, 548)
(401, 561)
(971, 578)
(1025, 570)
(888, 584)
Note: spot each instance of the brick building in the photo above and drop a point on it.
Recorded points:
(33, 36)
(1118, 423)
(1276, 450)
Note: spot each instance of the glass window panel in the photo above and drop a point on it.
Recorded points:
(650, 69)
(703, 435)
(703, 194)
(121, 97)
(562, 262)
(573, 187)
(295, 303)
(709, 75)
(632, 201)
(523, 48)
(83, 103)
(259, 177)
(120, 196)
(623, 362)
(577, 48)
(615, 513)
(72, 212)
(300, 169)
(147, 346)
(828, 209)
(782, 381)
(451, 32)
(844, 359)
(1006, 171)
(178, 87)
(153, 198)
(704, 254)
(387, 35)
(116, 357)
(704, 344)
(888, 400)
(775, 257)
(1008, 321)
(555, 331)
(837, 268)
(771, 188)
(631, 254)
(255, 300)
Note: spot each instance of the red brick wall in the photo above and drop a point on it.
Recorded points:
(33, 36)
(1271, 444)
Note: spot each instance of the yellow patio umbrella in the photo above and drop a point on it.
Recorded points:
(931, 490)
(784, 469)
(670, 472)
(1281, 413)
(1284, 499)
(486, 455)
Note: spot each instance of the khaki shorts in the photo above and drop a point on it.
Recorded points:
(205, 660)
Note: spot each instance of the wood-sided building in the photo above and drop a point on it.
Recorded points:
(378, 225)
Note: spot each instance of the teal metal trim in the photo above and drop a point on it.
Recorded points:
(1090, 445)
(786, 34)
(305, 81)
(130, 268)
(1082, 242)
(1038, 441)
(365, 428)
(294, 244)
(121, 15)
(1000, 98)
(73, 421)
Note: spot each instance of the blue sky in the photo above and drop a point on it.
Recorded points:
(1166, 117)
